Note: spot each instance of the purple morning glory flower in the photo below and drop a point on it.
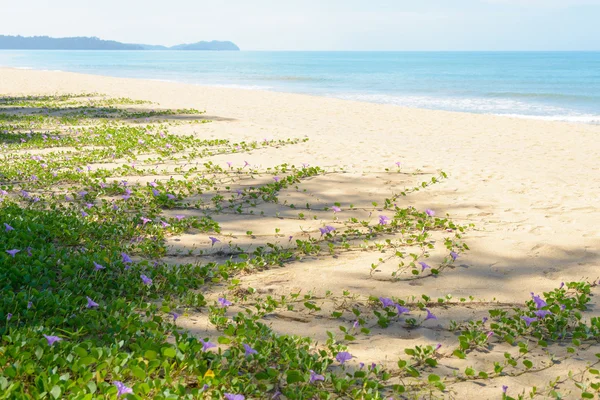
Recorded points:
(84, 214)
(126, 258)
(153, 184)
(97, 267)
(91, 303)
(383, 220)
(249, 350)
(170, 196)
(8, 316)
(538, 301)
(145, 220)
(528, 320)
(13, 252)
(542, 313)
(89, 205)
(29, 305)
(207, 345)
(401, 310)
(323, 231)
(174, 315)
(122, 389)
(336, 209)
(454, 255)
(231, 396)
(147, 281)
(343, 356)
(224, 302)
(424, 266)
(276, 178)
(213, 240)
(179, 217)
(246, 163)
(430, 212)
(429, 315)
(155, 192)
(52, 339)
(164, 224)
(439, 346)
(314, 377)
(305, 165)
(8, 228)
(229, 164)
(355, 324)
(398, 163)
(386, 302)
(504, 389)
(126, 197)
(82, 193)
(562, 284)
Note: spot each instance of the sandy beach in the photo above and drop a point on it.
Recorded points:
(530, 188)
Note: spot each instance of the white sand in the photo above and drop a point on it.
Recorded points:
(532, 189)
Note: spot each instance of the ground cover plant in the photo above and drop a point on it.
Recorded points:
(97, 196)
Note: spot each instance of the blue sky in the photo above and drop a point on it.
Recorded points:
(319, 24)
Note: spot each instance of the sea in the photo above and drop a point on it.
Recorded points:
(562, 86)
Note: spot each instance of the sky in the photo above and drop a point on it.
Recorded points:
(318, 24)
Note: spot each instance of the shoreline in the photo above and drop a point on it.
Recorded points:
(575, 119)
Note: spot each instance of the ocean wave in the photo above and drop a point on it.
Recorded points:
(480, 105)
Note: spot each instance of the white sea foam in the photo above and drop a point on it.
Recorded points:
(480, 105)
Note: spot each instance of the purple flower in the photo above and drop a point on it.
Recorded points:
(454, 255)
(424, 266)
(52, 339)
(213, 240)
(153, 184)
(174, 315)
(538, 301)
(246, 163)
(207, 345)
(249, 350)
(231, 396)
(383, 220)
(13, 252)
(155, 192)
(542, 313)
(179, 217)
(224, 302)
(489, 335)
(122, 389)
(84, 214)
(8, 316)
(314, 377)
(504, 389)
(562, 284)
(386, 302)
(401, 310)
(145, 220)
(343, 356)
(430, 212)
(398, 163)
(336, 209)
(355, 324)
(439, 346)
(126, 259)
(8, 228)
(147, 281)
(97, 267)
(29, 305)
(170, 196)
(528, 320)
(82, 193)
(91, 303)
(429, 315)
(89, 205)
(126, 197)
(164, 224)
(276, 178)
(229, 164)
(329, 228)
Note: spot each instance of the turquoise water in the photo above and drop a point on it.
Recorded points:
(546, 85)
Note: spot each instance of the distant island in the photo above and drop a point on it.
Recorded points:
(94, 43)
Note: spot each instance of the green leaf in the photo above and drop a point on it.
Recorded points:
(138, 373)
(55, 391)
(150, 354)
(460, 354)
(294, 376)
(168, 352)
(469, 371)
(433, 378)
(528, 364)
